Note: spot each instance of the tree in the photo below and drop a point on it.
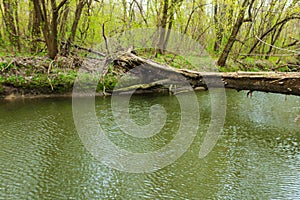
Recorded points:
(235, 30)
(49, 26)
(163, 25)
(71, 38)
(278, 24)
(219, 25)
(166, 22)
(218, 15)
(10, 17)
(34, 28)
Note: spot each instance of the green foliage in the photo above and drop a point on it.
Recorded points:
(230, 68)
(284, 69)
(6, 66)
(108, 83)
(118, 17)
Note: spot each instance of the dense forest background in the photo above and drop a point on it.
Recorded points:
(240, 31)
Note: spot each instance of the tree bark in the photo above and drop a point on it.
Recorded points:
(163, 25)
(49, 28)
(11, 22)
(63, 22)
(218, 26)
(165, 76)
(35, 31)
(71, 38)
(240, 20)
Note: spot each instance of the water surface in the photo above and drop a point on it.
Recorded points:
(256, 157)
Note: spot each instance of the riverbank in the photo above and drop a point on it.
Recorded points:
(20, 76)
(30, 77)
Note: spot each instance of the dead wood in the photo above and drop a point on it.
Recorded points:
(153, 73)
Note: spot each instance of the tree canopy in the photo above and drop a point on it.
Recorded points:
(234, 29)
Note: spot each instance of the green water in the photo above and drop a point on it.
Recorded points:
(256, 157)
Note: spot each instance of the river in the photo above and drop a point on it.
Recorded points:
(256, 157)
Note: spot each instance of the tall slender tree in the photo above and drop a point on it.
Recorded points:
(10, 17)
(71, 38)
(235, 30)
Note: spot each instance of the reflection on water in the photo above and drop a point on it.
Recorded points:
(257, 156)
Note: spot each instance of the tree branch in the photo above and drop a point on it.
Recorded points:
(61, 5)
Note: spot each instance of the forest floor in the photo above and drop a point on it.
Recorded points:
(38, 76)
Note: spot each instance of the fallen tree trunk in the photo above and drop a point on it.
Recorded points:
(284, 83)
(152, 73)
(144, 76)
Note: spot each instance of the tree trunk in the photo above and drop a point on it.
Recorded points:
(275, 37)
(166, 77)
(35, 31)
(11, 26)
(63, 22)
(218, 26)
(49, 28)
(163, 25)
(71, 38)
(240, 20)
(170, 24)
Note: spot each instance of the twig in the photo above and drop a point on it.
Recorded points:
(105, 39)
(50, 83)
(76, 46)
(141, 11)
(263, 54)
(49, 69)
(8, 65)
(283, 49)
(50, 65)
(87, 49)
